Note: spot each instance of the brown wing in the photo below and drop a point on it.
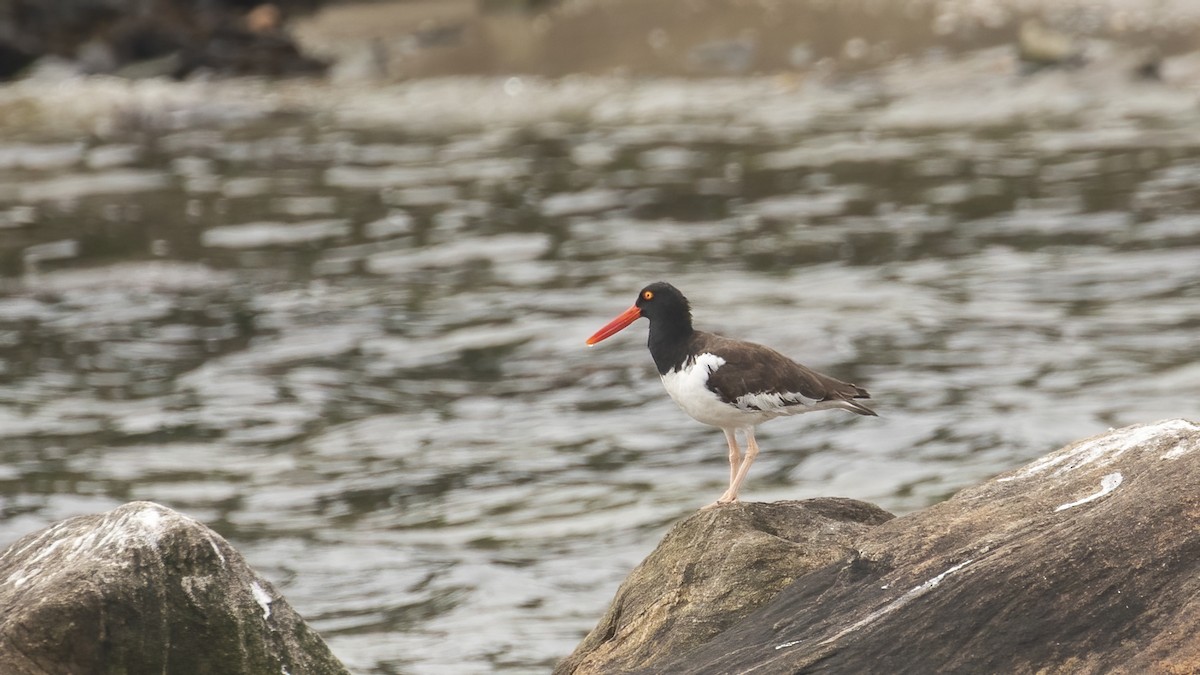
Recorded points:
(770, 378)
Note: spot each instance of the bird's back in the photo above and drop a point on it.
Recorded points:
(756, 378)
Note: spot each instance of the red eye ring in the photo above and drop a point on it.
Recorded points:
(647, 295)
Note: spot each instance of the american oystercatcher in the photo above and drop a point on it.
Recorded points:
(730, 384)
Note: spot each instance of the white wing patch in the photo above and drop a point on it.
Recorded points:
(708, 363)
(773, 402)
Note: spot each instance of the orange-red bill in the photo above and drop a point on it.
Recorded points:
(616, 325)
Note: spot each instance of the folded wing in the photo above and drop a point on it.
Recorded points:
(758, 378)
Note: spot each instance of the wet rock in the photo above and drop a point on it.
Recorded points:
(801, 40)
(143, 589)
(711, 571)
(1084, 561)
(13, 60)
(1148, 65)
(517, 6)
(723, 57)
(158, 37)
(1040, 46)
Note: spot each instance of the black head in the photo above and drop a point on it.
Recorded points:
(668, 311)
(663, 304)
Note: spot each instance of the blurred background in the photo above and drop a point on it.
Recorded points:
(319, 274)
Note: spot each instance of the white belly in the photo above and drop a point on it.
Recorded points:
(687, 388)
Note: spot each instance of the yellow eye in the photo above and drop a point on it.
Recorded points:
(647, 295)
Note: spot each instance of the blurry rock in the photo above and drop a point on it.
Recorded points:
(712, 570)
(96, 56)
(723, 57)
(1149, 70)
(103, 36)
(52, 69)
(440, 36)
(694, 38)
(1084, 561)
(387, 39)
(143, 589)
(1148, 65)
(1039, 46)
(164, 66)
(230, 51)
(368, 61)
(518, 6)
(801, 56)
(13, 60)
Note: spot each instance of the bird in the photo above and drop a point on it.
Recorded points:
(725, 383)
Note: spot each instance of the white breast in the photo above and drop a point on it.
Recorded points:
(687, 387)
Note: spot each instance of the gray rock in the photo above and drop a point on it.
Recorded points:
(713, 569)
(723, 57)
(1040, 46)
(173, 38)
(1084, 561)
(143, 589)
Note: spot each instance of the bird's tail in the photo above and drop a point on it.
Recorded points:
(856, 407)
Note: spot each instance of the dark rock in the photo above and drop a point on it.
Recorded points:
(13, 60)
(233, 37)
(1148, 65)
(233, 51)
(163, 66)
(143, 589)
(515, 6)
(713, 569)
(1084, 561)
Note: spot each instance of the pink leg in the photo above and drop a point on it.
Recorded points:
(738, 466)
(735, 457)
(751, 453)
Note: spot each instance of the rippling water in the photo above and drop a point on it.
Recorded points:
(351, 338)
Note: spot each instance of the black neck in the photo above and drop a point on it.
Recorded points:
(668, 344)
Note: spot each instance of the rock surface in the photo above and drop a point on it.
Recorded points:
(400, 39)
(143, 589)
(145, 38)
(712, 570)
(1084, 561)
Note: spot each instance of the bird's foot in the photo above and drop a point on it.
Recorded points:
(721, 501)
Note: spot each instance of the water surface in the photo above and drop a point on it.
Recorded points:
(345, 327)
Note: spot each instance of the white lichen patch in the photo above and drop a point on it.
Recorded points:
(1183, 447)
(1107, 484)
(216, 549)
(263, 598)
(1102, 450)
(18, 578)
(107, 540)
(196, 586)
(149, 520)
